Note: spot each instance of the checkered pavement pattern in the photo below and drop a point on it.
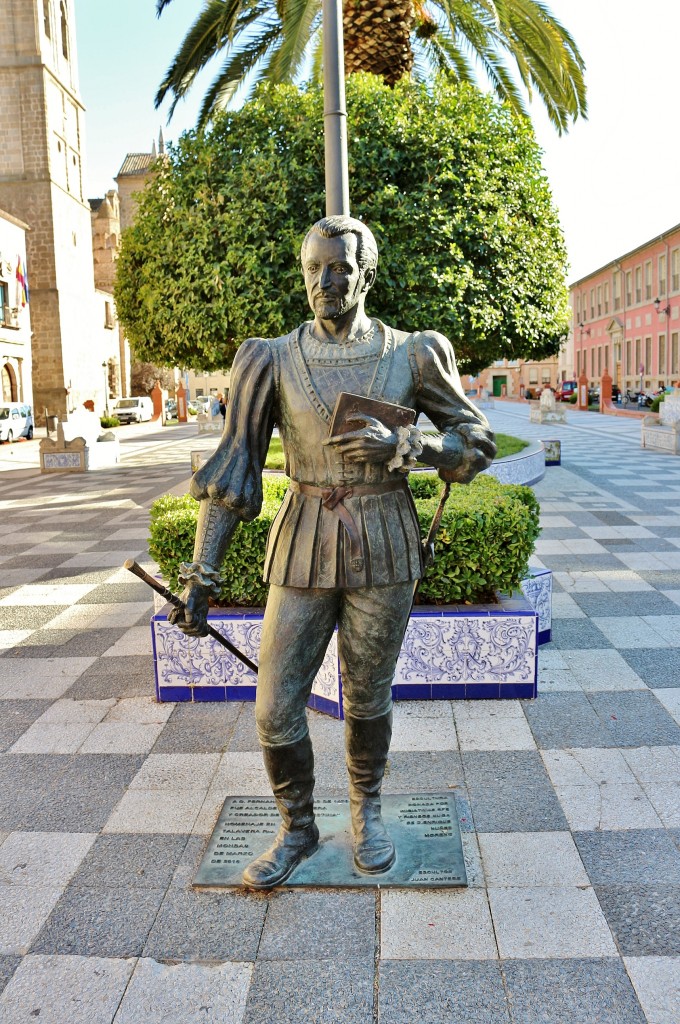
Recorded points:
(569, 805)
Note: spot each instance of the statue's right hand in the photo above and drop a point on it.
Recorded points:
(193, 618)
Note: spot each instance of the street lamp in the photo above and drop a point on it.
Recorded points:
(105, 368)
(659, 309)
(583, 330)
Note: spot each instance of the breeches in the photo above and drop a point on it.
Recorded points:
(298, 625)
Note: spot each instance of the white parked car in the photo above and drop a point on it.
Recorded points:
(16, 420)
(133, 410)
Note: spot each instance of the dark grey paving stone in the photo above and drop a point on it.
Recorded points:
(643, 544)
(521, 768)
(644, 919)
(244, 735)
(508, 808)
(580, 518)
(100, 921)
(198, 728)
(330, 772)
(660, 578)
(635, 719)
(635, 857)
(578, 634)
(8, 965)
(189, 863)
(68, 643)
(410, 771)
(614, 518)
(310, 925)
(27, 617)
(131, 860)
(442, 992)
(42, 561)
(571, 992)
(207, 926)
(645, 602)
(565, 720)
(16, 716)
(86, 793)
(658, 668)
(115, 676)
(561, 533)
(69, 574)
(665, 531)
(307, 992)
(25, 781)
(119, 593)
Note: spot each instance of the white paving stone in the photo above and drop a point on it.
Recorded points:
(665, 799)
(436, 925)
(607, 807)
(668, 627)
(242, 772)
(24, 678)
(51, 739)
(587, 766)
(135, 641)
(185, 994)
(670, 698)
(551, 921)
(153, 810)
(565, 607)
(48, 859)
(23, 911)
(65, 990)
(99, 616)
(121, 738)
(629, 631)
(531, 858)
(35, 594)
(100, 560)
(495, 733)
(656, 980)
(176, 772)
(140, 711)
(12, 637)
(76, 712)
(653, 764)
(419, 733)
(597, 670)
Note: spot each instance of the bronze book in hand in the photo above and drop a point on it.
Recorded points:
(350, 407)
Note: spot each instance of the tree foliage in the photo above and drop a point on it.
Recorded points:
(275, 41)
(143, 377)
(449, 180)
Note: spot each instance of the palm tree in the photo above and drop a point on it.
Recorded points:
(277, 39)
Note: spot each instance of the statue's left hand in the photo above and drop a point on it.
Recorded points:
(374, 442)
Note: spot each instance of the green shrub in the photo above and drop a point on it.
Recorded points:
(573, 399)
(109, 421)
(487, 534)
(654, 407)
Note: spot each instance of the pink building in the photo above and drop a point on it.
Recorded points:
(626, 317)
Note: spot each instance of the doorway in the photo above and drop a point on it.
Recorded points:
(498, 383)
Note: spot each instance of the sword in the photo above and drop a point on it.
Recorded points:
(137, 570)
(428, 543)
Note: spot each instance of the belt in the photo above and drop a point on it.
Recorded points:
(333, 499)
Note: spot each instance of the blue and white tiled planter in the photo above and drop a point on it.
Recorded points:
(451, 652)
(537, 588)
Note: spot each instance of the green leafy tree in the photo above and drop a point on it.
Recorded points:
(449, 180)
(518, 44)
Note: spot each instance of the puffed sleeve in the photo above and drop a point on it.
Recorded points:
(465, 445)
(233, 474)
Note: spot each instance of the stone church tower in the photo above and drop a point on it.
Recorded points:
(41, 183)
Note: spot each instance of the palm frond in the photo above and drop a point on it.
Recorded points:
(298, 18)
(238, 65)
(316, 70)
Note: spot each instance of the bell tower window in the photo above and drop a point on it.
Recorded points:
(46, 18)
(64, 30)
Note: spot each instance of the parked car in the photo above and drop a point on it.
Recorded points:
(565, 390)
(16, 420)
(133, 410)
(171, 409)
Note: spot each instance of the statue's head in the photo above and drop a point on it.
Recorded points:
(339, 258)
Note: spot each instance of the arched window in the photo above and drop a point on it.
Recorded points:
(46, 18)
(64, 30)
(9, 384)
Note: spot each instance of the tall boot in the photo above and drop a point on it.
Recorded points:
(367, 742)
(291, 773)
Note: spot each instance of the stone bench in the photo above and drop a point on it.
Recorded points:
(662, 431)
(78, 454)
(208, 424)
(544, 412)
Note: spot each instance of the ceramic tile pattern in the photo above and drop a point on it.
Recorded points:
(569, 804)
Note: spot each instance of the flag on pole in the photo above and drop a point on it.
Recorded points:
(22, 283)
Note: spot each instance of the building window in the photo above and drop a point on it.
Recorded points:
(606, 297)
(675, 270)
(533, 375)
(638, 355)
(4, 304)
(108, 315)
(638, 284)
(64, 30)
(46, 19)
(674, 353)
(616, 289)
(662, 275)
(584, 306)
(628, 359)
(592, 362)
(662, 354)
(648, 355)
(592, 303)
(599, 300)
(599, 360)
(578, 364)
(606, 357)
(578, 309)
(648, 280)
(629, 288)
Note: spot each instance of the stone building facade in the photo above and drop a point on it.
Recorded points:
(41, 183)
(113, 347)
(15, 316)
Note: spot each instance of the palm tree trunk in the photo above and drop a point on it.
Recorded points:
(378, 37)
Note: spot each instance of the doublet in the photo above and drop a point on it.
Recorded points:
(292, 382)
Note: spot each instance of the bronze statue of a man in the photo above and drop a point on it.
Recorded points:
(344, 549)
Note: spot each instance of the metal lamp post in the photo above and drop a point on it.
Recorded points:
(334, 110)
(105, 368)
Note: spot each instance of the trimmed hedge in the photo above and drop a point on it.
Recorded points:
(487, 534)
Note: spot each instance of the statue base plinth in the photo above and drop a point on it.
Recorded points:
(423, 826)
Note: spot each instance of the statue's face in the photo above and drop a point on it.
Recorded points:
(333, 278)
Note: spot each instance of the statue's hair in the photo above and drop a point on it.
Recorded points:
(332, 227)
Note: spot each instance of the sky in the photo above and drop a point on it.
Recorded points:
(615, 178)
